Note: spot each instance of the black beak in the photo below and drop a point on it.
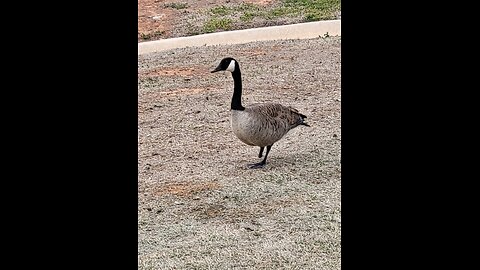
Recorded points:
(217, 69)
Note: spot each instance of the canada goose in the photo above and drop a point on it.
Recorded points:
(258, 124)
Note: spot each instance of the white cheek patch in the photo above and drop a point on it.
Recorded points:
(231, 67)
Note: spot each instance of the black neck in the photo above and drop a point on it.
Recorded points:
(237, 90)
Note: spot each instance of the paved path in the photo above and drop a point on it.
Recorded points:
(293, 31)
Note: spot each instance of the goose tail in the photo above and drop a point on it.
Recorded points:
(303, 120)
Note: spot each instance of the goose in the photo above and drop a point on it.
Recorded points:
(259, 124)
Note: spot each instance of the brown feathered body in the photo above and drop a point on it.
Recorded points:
(264, 124)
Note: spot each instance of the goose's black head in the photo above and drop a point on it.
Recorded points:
(228, 64)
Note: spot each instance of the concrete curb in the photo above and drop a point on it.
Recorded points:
(293, 31)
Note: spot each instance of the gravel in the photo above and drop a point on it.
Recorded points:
(200, 207)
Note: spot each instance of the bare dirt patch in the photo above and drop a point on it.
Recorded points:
(154, 21)
(180, 71)
(157, 19)
(184, 188)
(259, 2)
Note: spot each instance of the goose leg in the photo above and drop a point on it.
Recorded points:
(261, 152)
(263, 162)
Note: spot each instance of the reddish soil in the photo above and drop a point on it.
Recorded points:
(157, 19)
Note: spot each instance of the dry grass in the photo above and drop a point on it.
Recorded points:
(200, 207)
